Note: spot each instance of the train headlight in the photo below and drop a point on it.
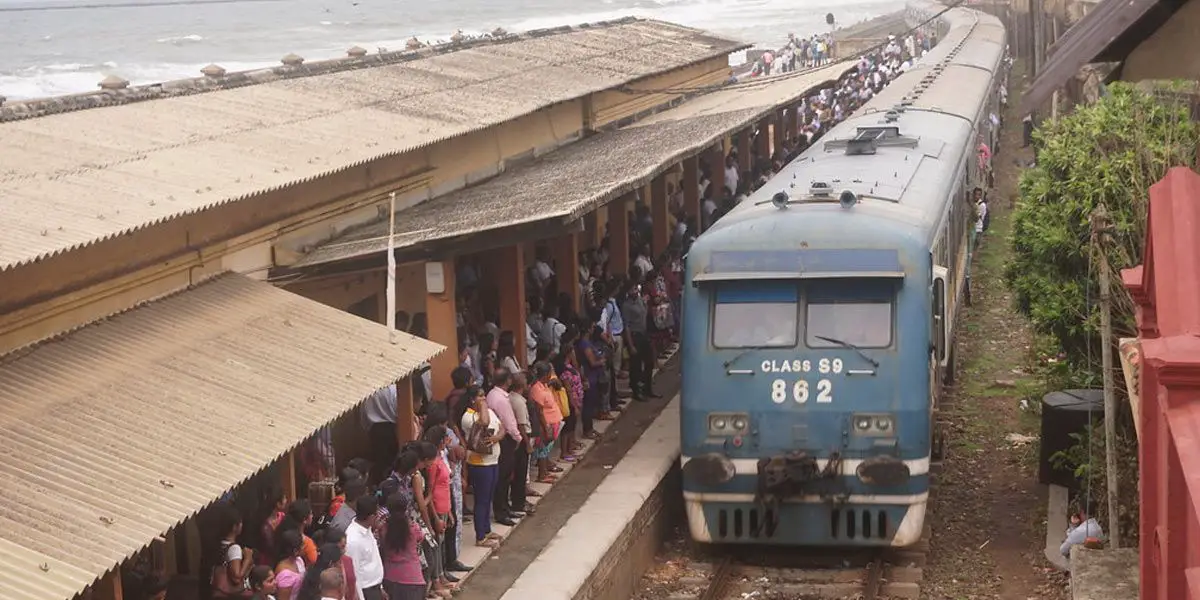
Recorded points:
(873, 425)
(728, 424)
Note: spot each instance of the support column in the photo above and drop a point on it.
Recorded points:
(509, 277)
(618, 236)
(777, 126)
(762, 142)
(661, 215)
(566, 266)
(287, 475)
(406, 429)
(109, 587)
(716, 163)
(441, 310)
(744, 155)
(691, 191)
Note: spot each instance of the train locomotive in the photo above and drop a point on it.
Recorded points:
(818, 315)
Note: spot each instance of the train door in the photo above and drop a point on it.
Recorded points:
(941, 322)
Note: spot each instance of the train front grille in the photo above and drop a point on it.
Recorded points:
(858, 524)
(746, 523)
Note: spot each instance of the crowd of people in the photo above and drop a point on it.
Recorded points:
(818, 113)
(393, 523)
(819, 50)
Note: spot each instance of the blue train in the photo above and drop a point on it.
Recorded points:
(819, 314)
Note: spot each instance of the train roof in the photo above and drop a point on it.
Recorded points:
(923, 122)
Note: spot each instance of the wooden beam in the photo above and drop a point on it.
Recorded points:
(508, 275)
(441, 309)
(109, 586)
(691, 191)
(660, 214)
(716, 166)
(566, 266)
(777, 127)
(744, 151)
(763, 140)
(406, 428)
(287, 475)
(618, 236)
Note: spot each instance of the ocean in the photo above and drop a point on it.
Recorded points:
(55, 47)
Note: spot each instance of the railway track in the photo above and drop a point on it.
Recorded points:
(784, 574)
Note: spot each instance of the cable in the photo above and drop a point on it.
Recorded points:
(799, 73)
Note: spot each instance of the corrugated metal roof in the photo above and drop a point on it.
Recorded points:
(570, 182)
(116, 433)
(1106, 34)
(71, 179)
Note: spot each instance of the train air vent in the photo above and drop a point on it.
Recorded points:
(749, 523)
(856, 524)
(868, 139)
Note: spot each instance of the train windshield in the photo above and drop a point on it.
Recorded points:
(758, 317)
(864, 324)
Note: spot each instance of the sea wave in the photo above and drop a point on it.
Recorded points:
(181, 39)
(72, 78)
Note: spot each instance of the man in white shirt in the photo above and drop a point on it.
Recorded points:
(332, 582)
(731, 173)
(363, 549)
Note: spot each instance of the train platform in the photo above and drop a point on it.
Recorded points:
(495, 571)
(600, 551)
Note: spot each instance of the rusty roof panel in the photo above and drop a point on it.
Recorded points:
(80, 176)
(571, 181)
(1106, 34)
(117, 432)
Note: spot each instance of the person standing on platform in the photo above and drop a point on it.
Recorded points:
(482, 427)
(613, 326)
(363, 549)
(499, 402)
(379, 419)
(641, 352)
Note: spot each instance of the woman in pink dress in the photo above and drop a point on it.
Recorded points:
(289, 573)
(403, 577)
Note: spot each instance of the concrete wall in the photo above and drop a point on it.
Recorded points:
(1175, 39)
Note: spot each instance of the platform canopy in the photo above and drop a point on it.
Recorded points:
(117, 432)
(537, 199)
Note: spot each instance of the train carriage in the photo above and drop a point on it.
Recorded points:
(818, 315)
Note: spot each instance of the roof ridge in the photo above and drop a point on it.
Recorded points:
(39, 107)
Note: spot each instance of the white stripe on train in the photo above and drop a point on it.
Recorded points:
(749, 466)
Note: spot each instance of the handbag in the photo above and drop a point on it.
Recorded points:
(477, 439)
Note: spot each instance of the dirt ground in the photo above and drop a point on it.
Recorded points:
(988, 512)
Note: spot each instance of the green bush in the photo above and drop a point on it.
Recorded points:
(1111, 153)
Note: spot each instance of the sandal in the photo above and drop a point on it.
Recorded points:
(532, 492)
(549, 479)
(555, 469)
(592, 435)
(605, 417)
(487, 543)
(493, 536)
(568, 458)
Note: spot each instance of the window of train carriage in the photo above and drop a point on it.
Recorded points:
(860, 313)
(756, 314)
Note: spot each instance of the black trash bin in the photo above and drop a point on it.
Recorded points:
(1064, 413)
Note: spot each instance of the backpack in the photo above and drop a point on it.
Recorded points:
(535, 418)
(987, 220)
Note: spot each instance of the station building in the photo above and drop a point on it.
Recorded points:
(193, 274)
